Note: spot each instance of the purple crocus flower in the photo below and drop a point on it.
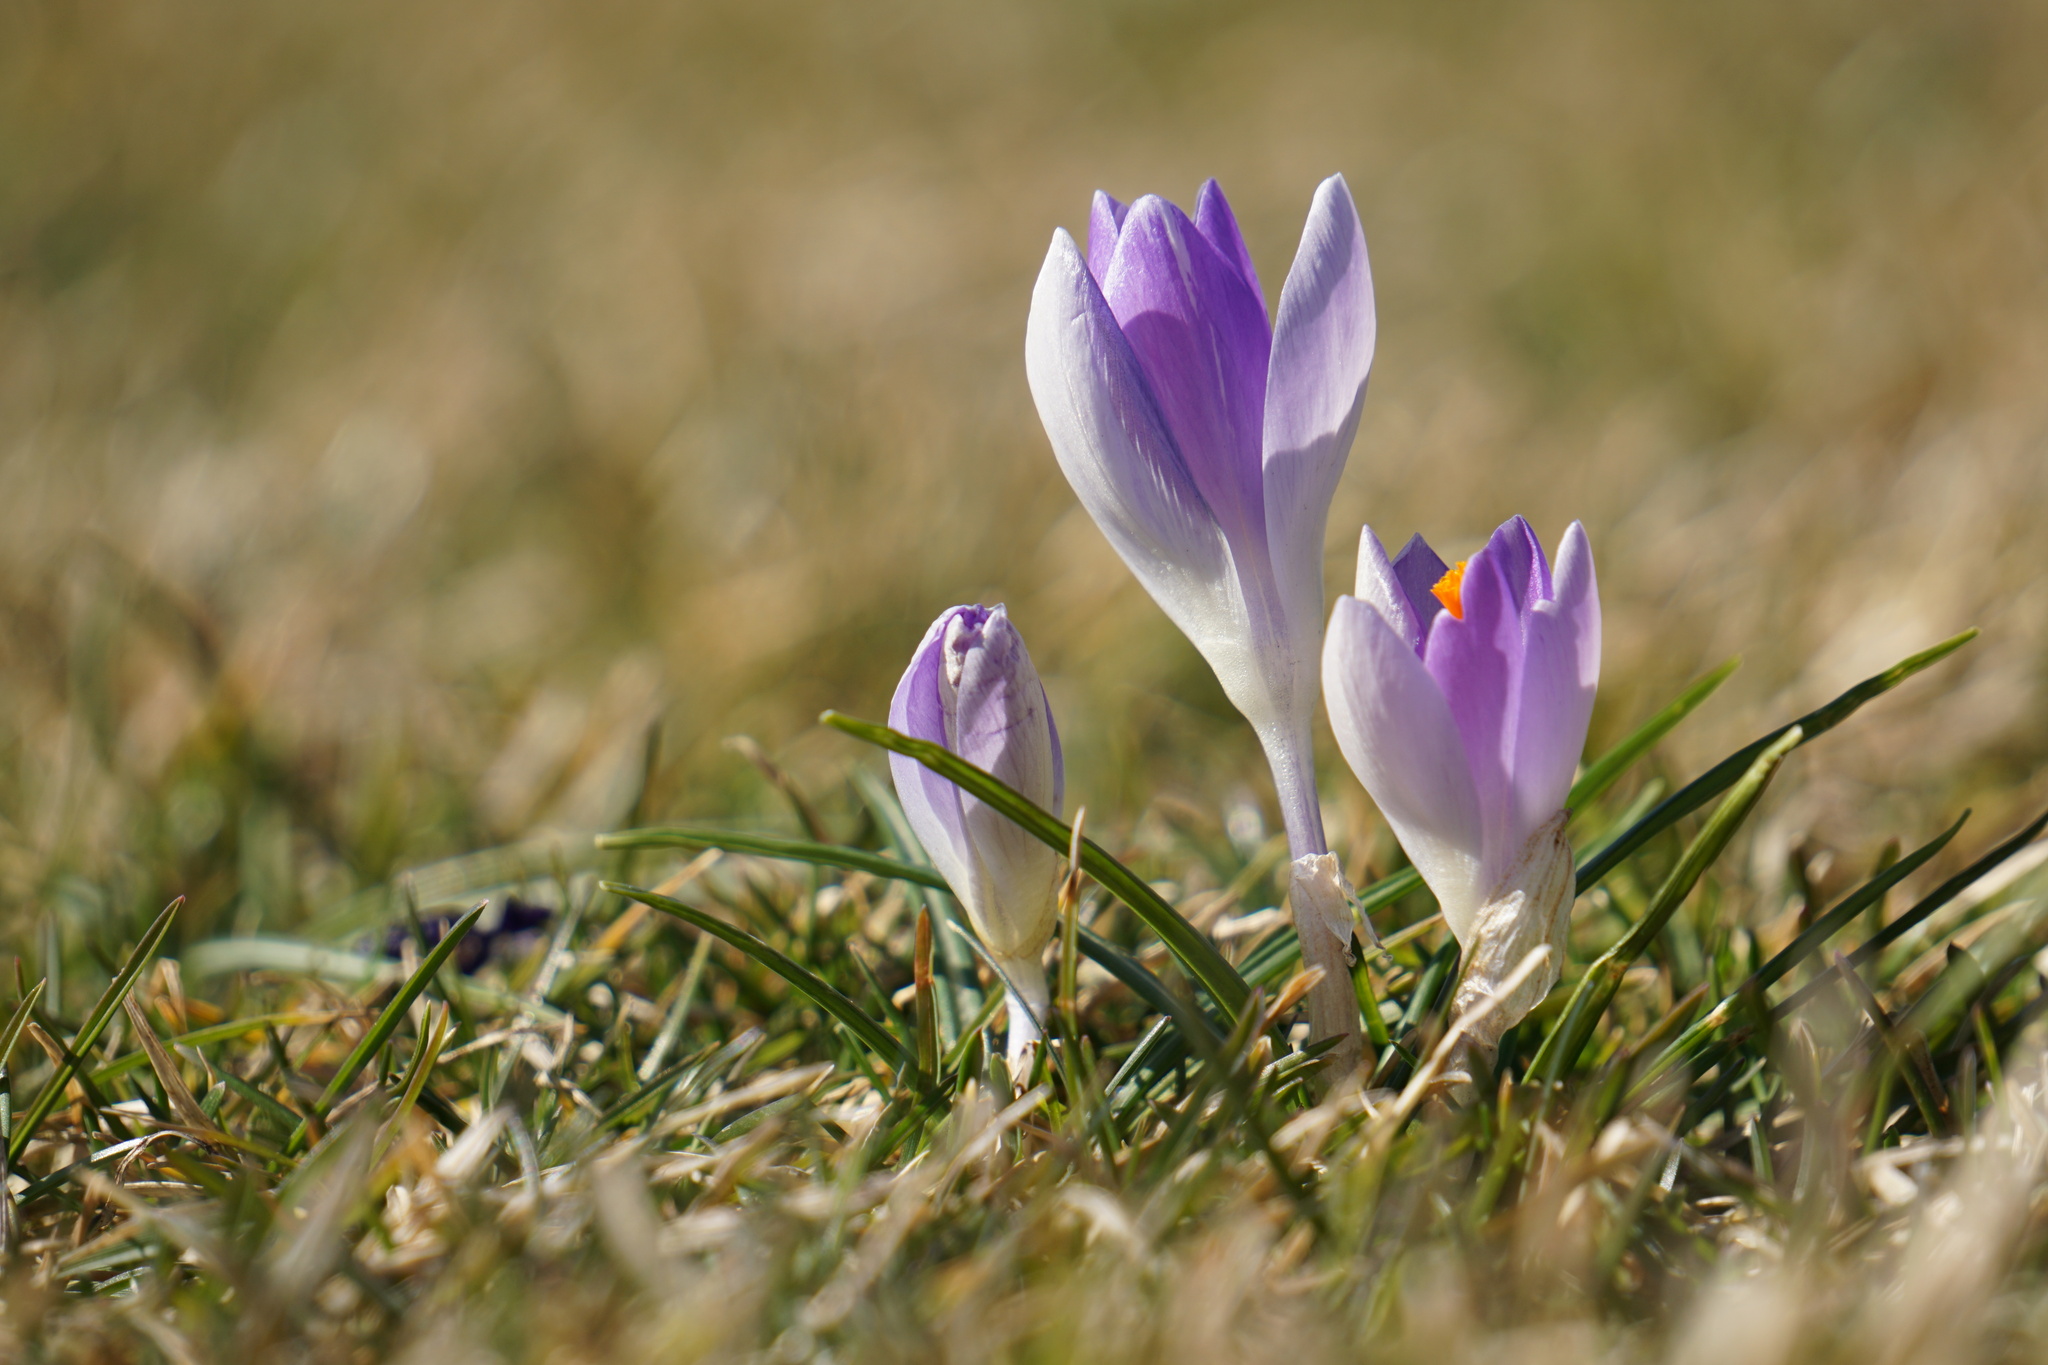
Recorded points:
(1206, 442)
(971, 687)
(1460, 696)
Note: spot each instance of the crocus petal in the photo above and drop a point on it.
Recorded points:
(1418, 569)
(999, 707)
(999, 725)
(1214, 220)
(1477, 663)
(1059, 760)
(1397, 732)
(1322, 354)
(1109, 438)
(1379, 586)
(1200, 334)
(1519, 554)
(930, 802)
(1105, 220)
(1560, 673)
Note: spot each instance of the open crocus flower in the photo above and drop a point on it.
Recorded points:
(1460, 696)
(971, 687)
(1206, 443)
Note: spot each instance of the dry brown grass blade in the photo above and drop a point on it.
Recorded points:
(182, 1101)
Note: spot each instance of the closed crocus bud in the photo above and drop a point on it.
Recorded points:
(971, 688)
(1460, 696)
(1206, 443)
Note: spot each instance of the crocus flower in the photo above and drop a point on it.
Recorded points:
(971, 687)
(1206, 442)
(1460, 696)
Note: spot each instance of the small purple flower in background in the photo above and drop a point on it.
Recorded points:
(1206, 443)
(971, 687)
(1460, 696)
(515, 931)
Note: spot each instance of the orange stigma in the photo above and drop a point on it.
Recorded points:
(1450, 590)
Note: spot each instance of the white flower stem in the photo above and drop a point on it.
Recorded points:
(1316, 894)
(1292, 759)
(1029, 1003)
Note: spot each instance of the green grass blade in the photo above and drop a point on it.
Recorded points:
(18, 1021)
(1603, 771)
(1971, 971)
(962, 998)
(803, 980)
(387, 1022)
(1849, 907)
(1722, 775)
(1596, 989)
(1280, 954)
(1819, 932)
(769, 846)
(89, 1033)
(1183, 940)
(950, 1063)
(1946, 892)
(1146, 987)
(424, 1060)
(206, 1037)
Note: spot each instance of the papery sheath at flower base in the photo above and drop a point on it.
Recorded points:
(1460, 695)
(971, 688)
(1206, 442)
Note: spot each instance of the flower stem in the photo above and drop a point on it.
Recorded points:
(1292, 760)
(1316, 897)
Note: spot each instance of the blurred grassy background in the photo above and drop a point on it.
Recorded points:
(403, 406)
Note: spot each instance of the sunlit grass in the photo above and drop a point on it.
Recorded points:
(768, 1115)
(428, 434)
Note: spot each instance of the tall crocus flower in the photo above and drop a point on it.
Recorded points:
(1206, 442)
(971, 687)
(1460, 697)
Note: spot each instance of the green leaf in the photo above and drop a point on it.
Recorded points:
(1279, 954)
(387, 1022)
(804, 981)
(1722, 775)
(18, 1021)
(1118, 963)
(1147, 987)
(770, 846)
(1946, 892)
(1850, 906)
(89, 1033)
(1970, 971)
(1820, 931)
(206, 1037)
(1596, 989)
(1188, 945)
(1602, 772)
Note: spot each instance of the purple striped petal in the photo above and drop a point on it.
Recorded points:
(999, 710)
(1201, 337)
(972, 688)
(1380, 587)
(1214, 220)
(1560, 674)
(1419, 569)
(1105, 220)
(1397, 732)
(1477, 662)
(1322, 354)
(1000, 724)
(1519, 554)
(1109, 438)
(930, 802)
(1059, 760)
